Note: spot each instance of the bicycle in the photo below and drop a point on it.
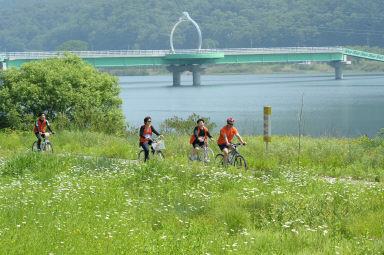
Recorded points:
(206, 155)
(155, 152)
(45, 146)
(234, 158)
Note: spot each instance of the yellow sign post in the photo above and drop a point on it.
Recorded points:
(267, 125)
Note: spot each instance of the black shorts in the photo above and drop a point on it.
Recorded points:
(197, 143)
(38, 135)
(223, 146)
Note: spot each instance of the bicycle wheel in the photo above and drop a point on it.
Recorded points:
(190, 154)
(219, 160)
(141, 156)
(207, 156)
(159, 155)
(34, 146)
(48, 147)
(240, 162)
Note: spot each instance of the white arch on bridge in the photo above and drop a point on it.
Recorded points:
(185, 17)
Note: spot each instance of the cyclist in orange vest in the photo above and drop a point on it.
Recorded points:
(146, 131)
(40, 125)
(226, 135)
(200, 134)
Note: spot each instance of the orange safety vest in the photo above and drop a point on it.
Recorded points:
(147, 131)
(230, 133)
(41, 126)
(193, 137)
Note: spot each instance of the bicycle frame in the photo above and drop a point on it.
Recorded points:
(232, 154)
(45, 143)
(205, 155)
(205, 145)
(155, 151)
(234, 157)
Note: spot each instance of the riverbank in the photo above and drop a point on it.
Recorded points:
(70, 204)
(357, 66)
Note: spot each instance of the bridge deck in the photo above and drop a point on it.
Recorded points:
(160, 53)
(204, 56)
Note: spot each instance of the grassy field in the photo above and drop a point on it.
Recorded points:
(327, 200)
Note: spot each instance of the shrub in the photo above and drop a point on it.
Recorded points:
(185, 126)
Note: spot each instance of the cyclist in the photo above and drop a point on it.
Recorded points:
(146, 136)
(226, 135)
(40, 125)
(200, 134)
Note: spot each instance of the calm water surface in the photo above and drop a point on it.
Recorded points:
(350, 107)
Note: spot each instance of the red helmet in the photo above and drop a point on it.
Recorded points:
(230, 120)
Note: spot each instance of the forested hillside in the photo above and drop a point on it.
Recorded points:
(146, 24)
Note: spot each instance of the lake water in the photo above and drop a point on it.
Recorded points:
(350, 107)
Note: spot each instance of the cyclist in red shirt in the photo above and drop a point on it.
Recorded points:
(200, 133)
(40, 125)
(146, 136)
(226, 135)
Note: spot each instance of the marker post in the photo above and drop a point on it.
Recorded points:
(267, 125)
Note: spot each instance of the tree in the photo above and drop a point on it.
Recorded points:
(73, 45)
(69, 91)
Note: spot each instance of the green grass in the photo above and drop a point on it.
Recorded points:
(68, 204)
(359, 158)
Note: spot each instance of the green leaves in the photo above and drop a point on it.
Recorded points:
(185, 126)
(73, 45)
(61, 85)
(118, 24)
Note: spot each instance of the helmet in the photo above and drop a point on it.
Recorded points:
(230, 120)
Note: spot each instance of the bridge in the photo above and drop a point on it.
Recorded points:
(197, 59)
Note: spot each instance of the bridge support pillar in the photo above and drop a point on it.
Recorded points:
(176, 78)
(338, 65)
(196, 78)
(196, 72)
(178, 69)
(338, 69)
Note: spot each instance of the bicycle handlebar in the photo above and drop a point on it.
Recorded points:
(153, 140)
(50, 133)
(237, 144)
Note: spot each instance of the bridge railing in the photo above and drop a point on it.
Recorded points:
(281, 50)
(84, 54)
(362, 54)
(128, 53)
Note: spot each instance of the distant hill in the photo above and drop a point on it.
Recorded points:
(146, 24)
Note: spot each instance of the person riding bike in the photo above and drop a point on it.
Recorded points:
(40, 125)
(225, 139)
(146, 131)
(200, 134)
